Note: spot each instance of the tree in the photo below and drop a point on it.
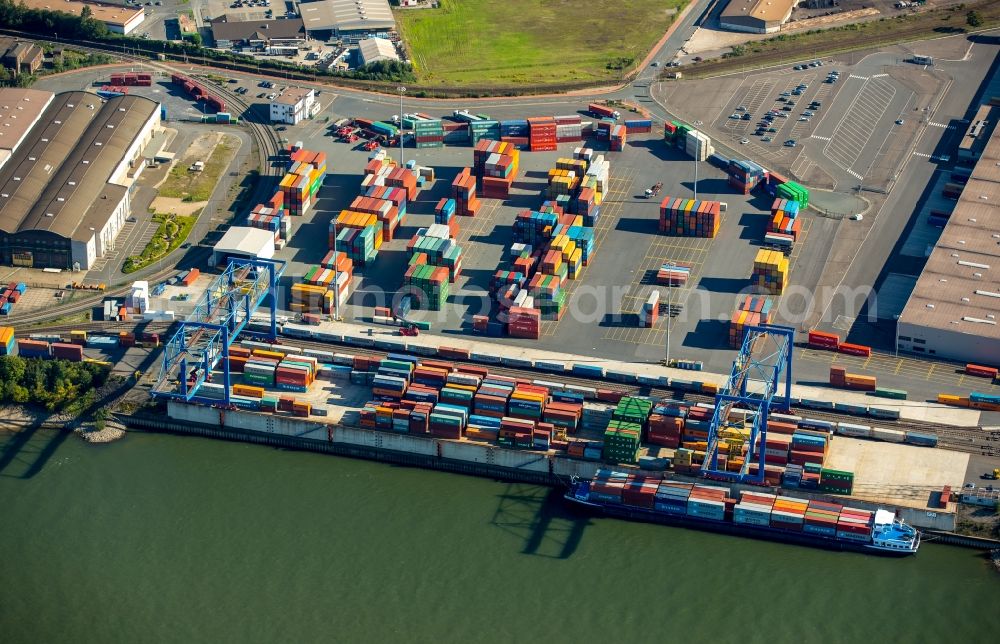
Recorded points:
(194, 39)
(973, 19)
(12, 368)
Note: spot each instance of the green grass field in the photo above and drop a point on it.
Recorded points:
(489, 43)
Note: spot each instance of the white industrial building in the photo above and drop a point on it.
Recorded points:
(371, 50)
(954, 310)
(292, 105)
(243, 242)
(66, 190)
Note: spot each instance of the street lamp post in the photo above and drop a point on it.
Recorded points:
(402, 90)
(336, 275)
(669, 310)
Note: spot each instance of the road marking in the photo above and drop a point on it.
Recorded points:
(854, 174)
(821, 138)
(941, 125)
(858, 77)
(922, 154)
(879, 75)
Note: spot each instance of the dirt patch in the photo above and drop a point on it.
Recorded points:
(175, 206)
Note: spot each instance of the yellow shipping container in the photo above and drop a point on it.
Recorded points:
(248, 390)
(947, 399)
(264, 353)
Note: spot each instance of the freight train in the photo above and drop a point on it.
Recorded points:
(198, 92)
(754, 514)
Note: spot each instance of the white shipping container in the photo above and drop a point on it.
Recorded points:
(888, 435)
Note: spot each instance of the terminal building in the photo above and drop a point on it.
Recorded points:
(347, 20)
(756, 16)
(66, 186)
(292, 105)
(954, 310)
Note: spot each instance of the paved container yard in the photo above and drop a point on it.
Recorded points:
(628, 250)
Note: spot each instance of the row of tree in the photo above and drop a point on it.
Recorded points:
(52, 384)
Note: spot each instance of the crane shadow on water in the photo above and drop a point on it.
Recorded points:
(539, 516)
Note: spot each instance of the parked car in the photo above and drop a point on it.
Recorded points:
(790, 143)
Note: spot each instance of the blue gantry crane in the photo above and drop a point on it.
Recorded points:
(204, 337)
(760, 382)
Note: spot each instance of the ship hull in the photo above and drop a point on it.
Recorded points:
(768, 533)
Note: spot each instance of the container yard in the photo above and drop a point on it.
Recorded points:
(495, 193)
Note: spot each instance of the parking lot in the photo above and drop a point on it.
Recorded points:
(851, 135)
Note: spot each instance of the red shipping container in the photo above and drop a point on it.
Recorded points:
(981, 371)
(821, 340)
(855, 349)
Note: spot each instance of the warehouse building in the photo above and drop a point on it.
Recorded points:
(65, 192)
(245, 243)
(117, 18)
(292, 105)
(756, 16)
(258, 35)
(348, 20)
(371, 50)
(20, 109)
(954, 310)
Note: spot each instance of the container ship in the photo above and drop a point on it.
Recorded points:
(755, 514)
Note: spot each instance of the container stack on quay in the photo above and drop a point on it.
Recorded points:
(483, 129)
(495, 164)
(446, 214)
(650, 310)
(463, 191)
(8, 343)
(516, 133)
(751, 311)
(840, 378)
(427, 133)
(744, 176)
(569, 129)
(673, 274)
(785, 189)
(358, 234)
(617, 137)
(435, 246)
(639, 126)
(542, 134)
(770, 272)
(303, 180)
(11, 296)
(690, 217)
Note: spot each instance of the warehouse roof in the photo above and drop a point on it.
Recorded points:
(263, 30)
(59, 181)
(347, 15)
(959, 288)
(106, 13)
(246, 241)
(292, 96)
(766, 10)
(375, 49)
(19, 109)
